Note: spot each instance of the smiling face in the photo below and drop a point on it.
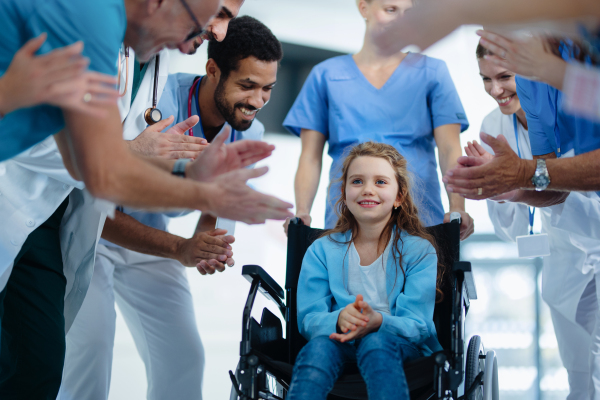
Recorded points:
(500, 84)
(217, 27)
(245, 91)
(382, 12)
(371, 190)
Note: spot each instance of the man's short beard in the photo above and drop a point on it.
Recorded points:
(228, 110)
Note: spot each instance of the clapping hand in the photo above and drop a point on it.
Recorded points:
(59, 77)
(207, 251)
(219, 158)
(172, 144)
(357, 320)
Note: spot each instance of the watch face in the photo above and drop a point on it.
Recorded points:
(541, 181)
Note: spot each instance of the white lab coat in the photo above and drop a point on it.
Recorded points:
(153, 296)
(568, 273)
(35, 183)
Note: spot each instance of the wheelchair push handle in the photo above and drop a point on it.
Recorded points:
(455, 216)
(296, 221)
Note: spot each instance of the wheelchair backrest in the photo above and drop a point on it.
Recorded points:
(300, 237)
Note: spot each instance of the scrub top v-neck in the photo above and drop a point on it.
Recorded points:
(338, 101)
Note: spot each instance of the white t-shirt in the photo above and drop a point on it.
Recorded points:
(369, 280)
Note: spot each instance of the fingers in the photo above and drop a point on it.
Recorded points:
(468, 150)
(501, 62)
(247, 174)
(184, 126)
(160, 125)
(502, 139)
(70, 70)
(33, 45)
(345, 337)
(210, 267)
(99, 78)
(212, 241)
(358, 299)
(495, 43)
(479, 148)
(222, 137)
(365, 307)
(499, 146)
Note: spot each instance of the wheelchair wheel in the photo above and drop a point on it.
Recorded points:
(474, 366)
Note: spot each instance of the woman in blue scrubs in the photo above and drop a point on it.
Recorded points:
(406, 100)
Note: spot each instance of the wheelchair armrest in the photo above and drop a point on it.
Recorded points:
(268, 286)
(465, 268)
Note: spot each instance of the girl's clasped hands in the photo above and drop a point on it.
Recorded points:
(356, 320)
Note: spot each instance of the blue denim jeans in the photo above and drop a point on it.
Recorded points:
(380, 357)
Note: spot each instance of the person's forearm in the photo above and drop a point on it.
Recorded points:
(131, 234)
(490, 12)
(306, 183)
(544, 198)
(110, 171)
(449, 150)
(579, 173)
(162, 163)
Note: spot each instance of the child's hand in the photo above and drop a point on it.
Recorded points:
(358, 319)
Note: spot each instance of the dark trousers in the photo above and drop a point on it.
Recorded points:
(32, 348)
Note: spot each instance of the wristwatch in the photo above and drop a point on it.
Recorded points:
(541, 179)
(179, 167)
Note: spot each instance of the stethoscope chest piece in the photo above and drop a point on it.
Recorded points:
(152, 116)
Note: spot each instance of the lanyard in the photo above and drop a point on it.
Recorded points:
(196, 85)
(531, 210)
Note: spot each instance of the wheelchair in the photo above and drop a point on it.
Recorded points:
(267, 358)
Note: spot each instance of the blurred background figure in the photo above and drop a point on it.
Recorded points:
(380, 94)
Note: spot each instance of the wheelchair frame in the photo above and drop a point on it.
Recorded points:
(265, 341)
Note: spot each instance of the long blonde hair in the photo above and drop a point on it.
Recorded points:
(404, 218)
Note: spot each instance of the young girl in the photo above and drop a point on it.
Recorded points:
(367, 288)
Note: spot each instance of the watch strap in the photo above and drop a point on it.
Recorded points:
(179, 167)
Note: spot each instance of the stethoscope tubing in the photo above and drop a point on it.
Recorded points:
(196, 86)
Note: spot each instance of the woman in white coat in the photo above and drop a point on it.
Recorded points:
(570, 274)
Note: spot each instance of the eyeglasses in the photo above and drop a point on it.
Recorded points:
(199, 30)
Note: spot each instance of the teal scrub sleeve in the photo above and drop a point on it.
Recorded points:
(412, 317)
(311, 108)
(530, 93)
(99, 24)
(315, 299)
(443, 100)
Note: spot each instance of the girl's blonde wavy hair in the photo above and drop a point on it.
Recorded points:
(404, 218)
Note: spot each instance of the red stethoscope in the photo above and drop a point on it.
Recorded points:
(196, 88)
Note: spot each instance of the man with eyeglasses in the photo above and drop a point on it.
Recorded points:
(37, 302)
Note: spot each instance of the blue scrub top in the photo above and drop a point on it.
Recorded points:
(338, 101)
(548, 121)
(99, 24)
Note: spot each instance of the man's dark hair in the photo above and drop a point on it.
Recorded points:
(246, 37)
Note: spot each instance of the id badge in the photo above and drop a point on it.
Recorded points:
(227, 224)
(531, 246)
